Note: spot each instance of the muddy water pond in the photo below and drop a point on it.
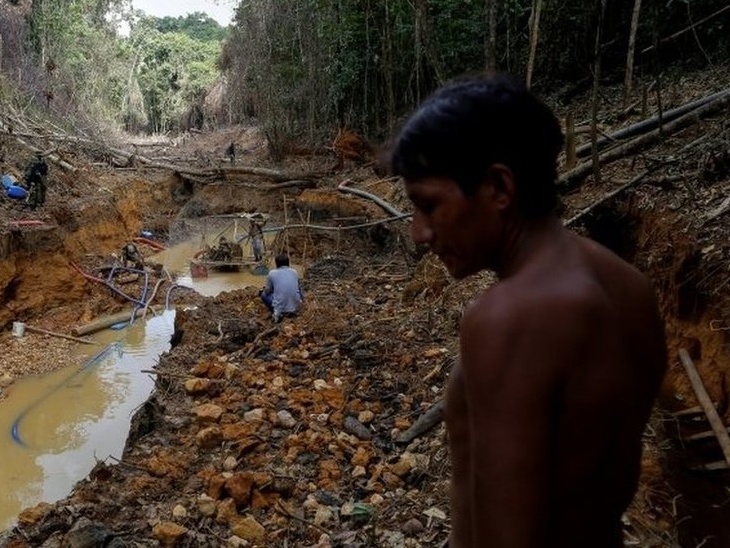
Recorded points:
(177, 260)
(55, 427)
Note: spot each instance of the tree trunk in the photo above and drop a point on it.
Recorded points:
(534, 35)
(490, 53)
(570, 155)
(419, 21)
(628, 81)
(594, 97)
(388, 68)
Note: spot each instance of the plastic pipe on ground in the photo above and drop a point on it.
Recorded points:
(103, 323)
(151, 243)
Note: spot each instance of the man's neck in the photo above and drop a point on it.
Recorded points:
(524, 238)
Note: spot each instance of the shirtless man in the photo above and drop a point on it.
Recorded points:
(561, 360)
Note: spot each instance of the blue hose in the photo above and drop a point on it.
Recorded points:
(94, 360)
(111, 285)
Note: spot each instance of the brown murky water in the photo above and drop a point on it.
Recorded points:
(54, 428)
(177, 260)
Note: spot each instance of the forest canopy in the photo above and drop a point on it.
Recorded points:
(306, 68)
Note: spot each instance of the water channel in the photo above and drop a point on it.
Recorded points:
(54, 428)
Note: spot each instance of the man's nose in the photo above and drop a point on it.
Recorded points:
(420, 230)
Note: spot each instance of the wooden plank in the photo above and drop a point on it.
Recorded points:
(696, 410)
(711, 466)
(59, 335)
(701, 436)
(715, 422)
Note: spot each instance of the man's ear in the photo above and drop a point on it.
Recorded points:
(502, 180)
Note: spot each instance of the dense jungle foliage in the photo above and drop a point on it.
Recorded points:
(304, 68)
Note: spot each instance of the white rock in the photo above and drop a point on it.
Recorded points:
(310, 503)
(286, 419)
(230, 463)
(254, 415)
(179, 512)
(206, 505)
(322, 515)
(231, 371)
(320, 384)
(376, 499)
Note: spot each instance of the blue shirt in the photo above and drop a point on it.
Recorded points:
(283, 282)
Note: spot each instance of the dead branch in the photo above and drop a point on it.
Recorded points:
(343, 187)
(686, 29)
(722, 208)
(59, 335)
(425, 422)
(276, 186)
(704, 399)
(583, 212)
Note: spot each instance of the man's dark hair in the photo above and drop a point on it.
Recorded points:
(466, 127)
(282, 259)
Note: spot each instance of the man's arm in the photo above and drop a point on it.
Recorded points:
(269, 287)
(512, 363)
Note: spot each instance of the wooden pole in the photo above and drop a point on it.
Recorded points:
(59, 335)
(286, 223)
(570, 155)
(703, 397)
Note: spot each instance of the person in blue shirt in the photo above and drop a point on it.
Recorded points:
(282, 293)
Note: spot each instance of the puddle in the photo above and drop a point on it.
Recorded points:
(55, 427)
(177, 260)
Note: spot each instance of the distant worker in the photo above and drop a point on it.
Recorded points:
(282, 294)
(223, 252)
(231, 152)
(256, 232)
(35, 181)
(131, 257)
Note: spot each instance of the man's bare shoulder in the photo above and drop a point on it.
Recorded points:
(551, 305)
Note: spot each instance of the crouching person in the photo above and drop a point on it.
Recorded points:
(282, 294)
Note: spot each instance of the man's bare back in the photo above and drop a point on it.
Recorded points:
(561, 360)
(560, 364)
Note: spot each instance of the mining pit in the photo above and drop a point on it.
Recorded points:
(255, 434)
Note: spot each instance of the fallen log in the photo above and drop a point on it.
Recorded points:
(649, 124)
(583, 212)
(343, 187)
(107, 321)
(570, 178)
(703, 397)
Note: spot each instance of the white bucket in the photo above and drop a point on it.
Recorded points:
(18, 329)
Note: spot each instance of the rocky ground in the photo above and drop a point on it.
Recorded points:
(293, 435)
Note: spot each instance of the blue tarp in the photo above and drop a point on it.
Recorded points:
(17, 192)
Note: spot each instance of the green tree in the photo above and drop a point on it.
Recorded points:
(198, 26)
(173, 71)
